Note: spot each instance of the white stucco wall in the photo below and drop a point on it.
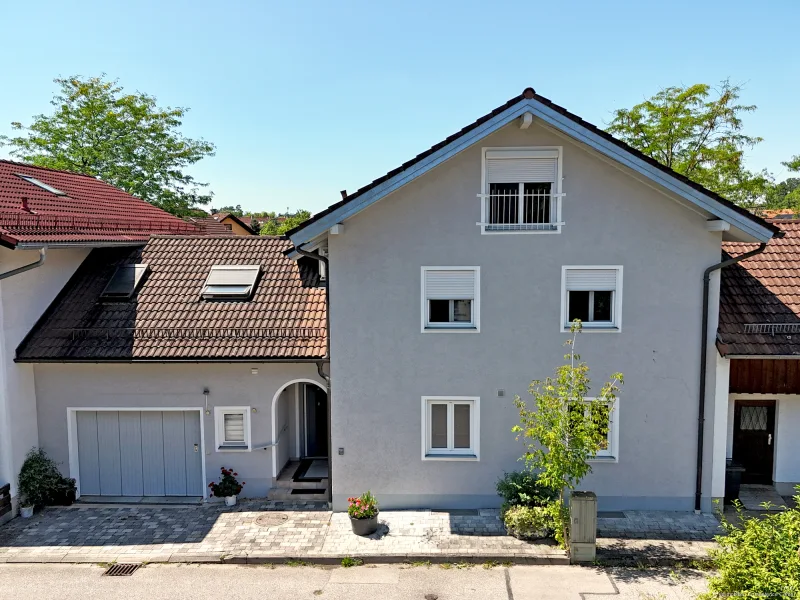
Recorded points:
(62, 386)
(23, 299)
(787, 445)
(611, 219)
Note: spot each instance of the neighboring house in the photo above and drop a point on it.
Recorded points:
(210, 226)
(49, 222)
(453, 280)
(158, 365)
(758, 365)
(238, 225)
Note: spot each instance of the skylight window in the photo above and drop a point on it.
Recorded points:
(124, 283)
(41, 184)
(230, 282)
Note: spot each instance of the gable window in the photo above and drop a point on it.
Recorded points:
(124, 282)
(607, 418)
(232, 425)
(450, 427)
(521, 190)
(593, 295)
(230, 282)
(450, 298)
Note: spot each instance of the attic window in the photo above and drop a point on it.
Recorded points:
(124, 283)
(230, 282)
(41, 184)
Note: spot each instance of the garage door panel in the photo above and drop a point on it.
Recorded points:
(194, 467)
(130, 441)
(109, 452)
(174, 454)
(152, 454)
(88, 459)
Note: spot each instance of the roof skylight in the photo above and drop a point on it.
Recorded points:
(41, 184)
(124, 283)
(230, 282)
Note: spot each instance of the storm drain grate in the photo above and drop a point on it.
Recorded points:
(121, 570)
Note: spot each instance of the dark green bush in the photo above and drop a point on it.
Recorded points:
(758, 557)
(40, 481)
(521, 488)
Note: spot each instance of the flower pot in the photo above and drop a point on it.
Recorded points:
(364, 526)
(26, 512)
(230, 500)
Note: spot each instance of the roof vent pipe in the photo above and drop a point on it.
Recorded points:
(344, 194)
(25, 206)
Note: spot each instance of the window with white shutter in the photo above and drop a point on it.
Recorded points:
(593, 295)
(450, 298)
(522, 190)
(230, 282)
(232, 427)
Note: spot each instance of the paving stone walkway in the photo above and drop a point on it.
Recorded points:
(257, 531)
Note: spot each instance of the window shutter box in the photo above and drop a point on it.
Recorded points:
(591, 280)
(521, 166)
(450, 285)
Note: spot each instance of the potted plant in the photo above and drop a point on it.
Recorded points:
(363, 512)
(39, 481)
(228, 486)
(26, 509)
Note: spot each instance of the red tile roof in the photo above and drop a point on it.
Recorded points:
(92, 211)
(760, 298)
(167, 319)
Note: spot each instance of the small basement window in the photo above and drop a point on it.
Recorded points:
(124, 283)
(41, 184)
(230, 282)
(232, 424)
(593, 295)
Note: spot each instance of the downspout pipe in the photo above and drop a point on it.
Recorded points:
(22, 269)
(326, 359)
(701, 416)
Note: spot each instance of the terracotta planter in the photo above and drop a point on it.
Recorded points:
(364, 526)
(230, 500)
(26, 512)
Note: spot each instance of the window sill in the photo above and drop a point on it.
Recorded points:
(451, 457)
(590, 329)
(233, 449)
(450, 330)
(604, 459)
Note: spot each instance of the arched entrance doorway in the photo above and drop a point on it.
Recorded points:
(300, 427)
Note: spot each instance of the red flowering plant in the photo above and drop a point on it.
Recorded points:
(228, 484)
(363, 507)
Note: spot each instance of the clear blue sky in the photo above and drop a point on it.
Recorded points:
(304, 99)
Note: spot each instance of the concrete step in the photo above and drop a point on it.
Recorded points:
(285, 495)
(291, 485)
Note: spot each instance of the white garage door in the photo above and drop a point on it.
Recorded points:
(139, 453)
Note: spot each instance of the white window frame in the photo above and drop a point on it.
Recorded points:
(611, 454)
(615, 326)
(556, 192)
(219, 429)
(473, 327)
(465, 454)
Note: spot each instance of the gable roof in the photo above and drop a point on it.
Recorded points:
(759, 311)
(553, 115)
(89, 212)
(244, 224)
(166, 319)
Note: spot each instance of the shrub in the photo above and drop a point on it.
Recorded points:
(522, 488)
(40, 481)
(228, 484)
(363, 507)
(529, 522)
(758, 557)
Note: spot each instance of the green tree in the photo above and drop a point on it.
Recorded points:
(275, 227)
(233, 210)
(124, 139)
(697, 131)
(786, 194)
(565, 429)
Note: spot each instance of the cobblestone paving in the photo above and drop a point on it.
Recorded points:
(660, 525)
(306, 530)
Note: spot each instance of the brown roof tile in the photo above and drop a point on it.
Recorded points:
(760, 298)
(168, 320)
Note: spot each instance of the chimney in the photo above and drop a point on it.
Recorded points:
(25, 206)
(344, 194)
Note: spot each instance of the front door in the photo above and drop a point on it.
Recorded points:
(754, 439)
(316, 422)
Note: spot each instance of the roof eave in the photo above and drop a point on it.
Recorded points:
(751, 226)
